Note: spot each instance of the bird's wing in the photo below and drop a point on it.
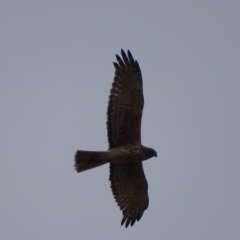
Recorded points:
(125, 103)
(129, 187)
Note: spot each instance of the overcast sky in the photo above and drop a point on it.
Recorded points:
(56, 74)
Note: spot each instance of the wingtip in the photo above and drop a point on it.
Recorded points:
(128, 221)
(116, 65)
(130, 56)
(123, 53)
(118, 57)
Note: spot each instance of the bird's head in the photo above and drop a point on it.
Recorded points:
(150, 152)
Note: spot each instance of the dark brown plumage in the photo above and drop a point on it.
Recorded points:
(126, 153)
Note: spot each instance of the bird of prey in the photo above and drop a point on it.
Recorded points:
(126, 152)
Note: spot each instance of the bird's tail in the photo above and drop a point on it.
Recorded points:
(85, 160)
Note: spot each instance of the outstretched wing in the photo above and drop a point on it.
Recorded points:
(129, 187)
(128, 182)
(125, 103)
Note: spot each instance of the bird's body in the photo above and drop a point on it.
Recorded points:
(126, 153)
(117, 155)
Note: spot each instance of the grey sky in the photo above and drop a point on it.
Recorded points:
(56, 74)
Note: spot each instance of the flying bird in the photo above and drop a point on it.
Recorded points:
(126, 152)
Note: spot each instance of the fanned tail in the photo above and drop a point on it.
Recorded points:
(85, 160)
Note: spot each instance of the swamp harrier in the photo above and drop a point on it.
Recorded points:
(126, 153)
